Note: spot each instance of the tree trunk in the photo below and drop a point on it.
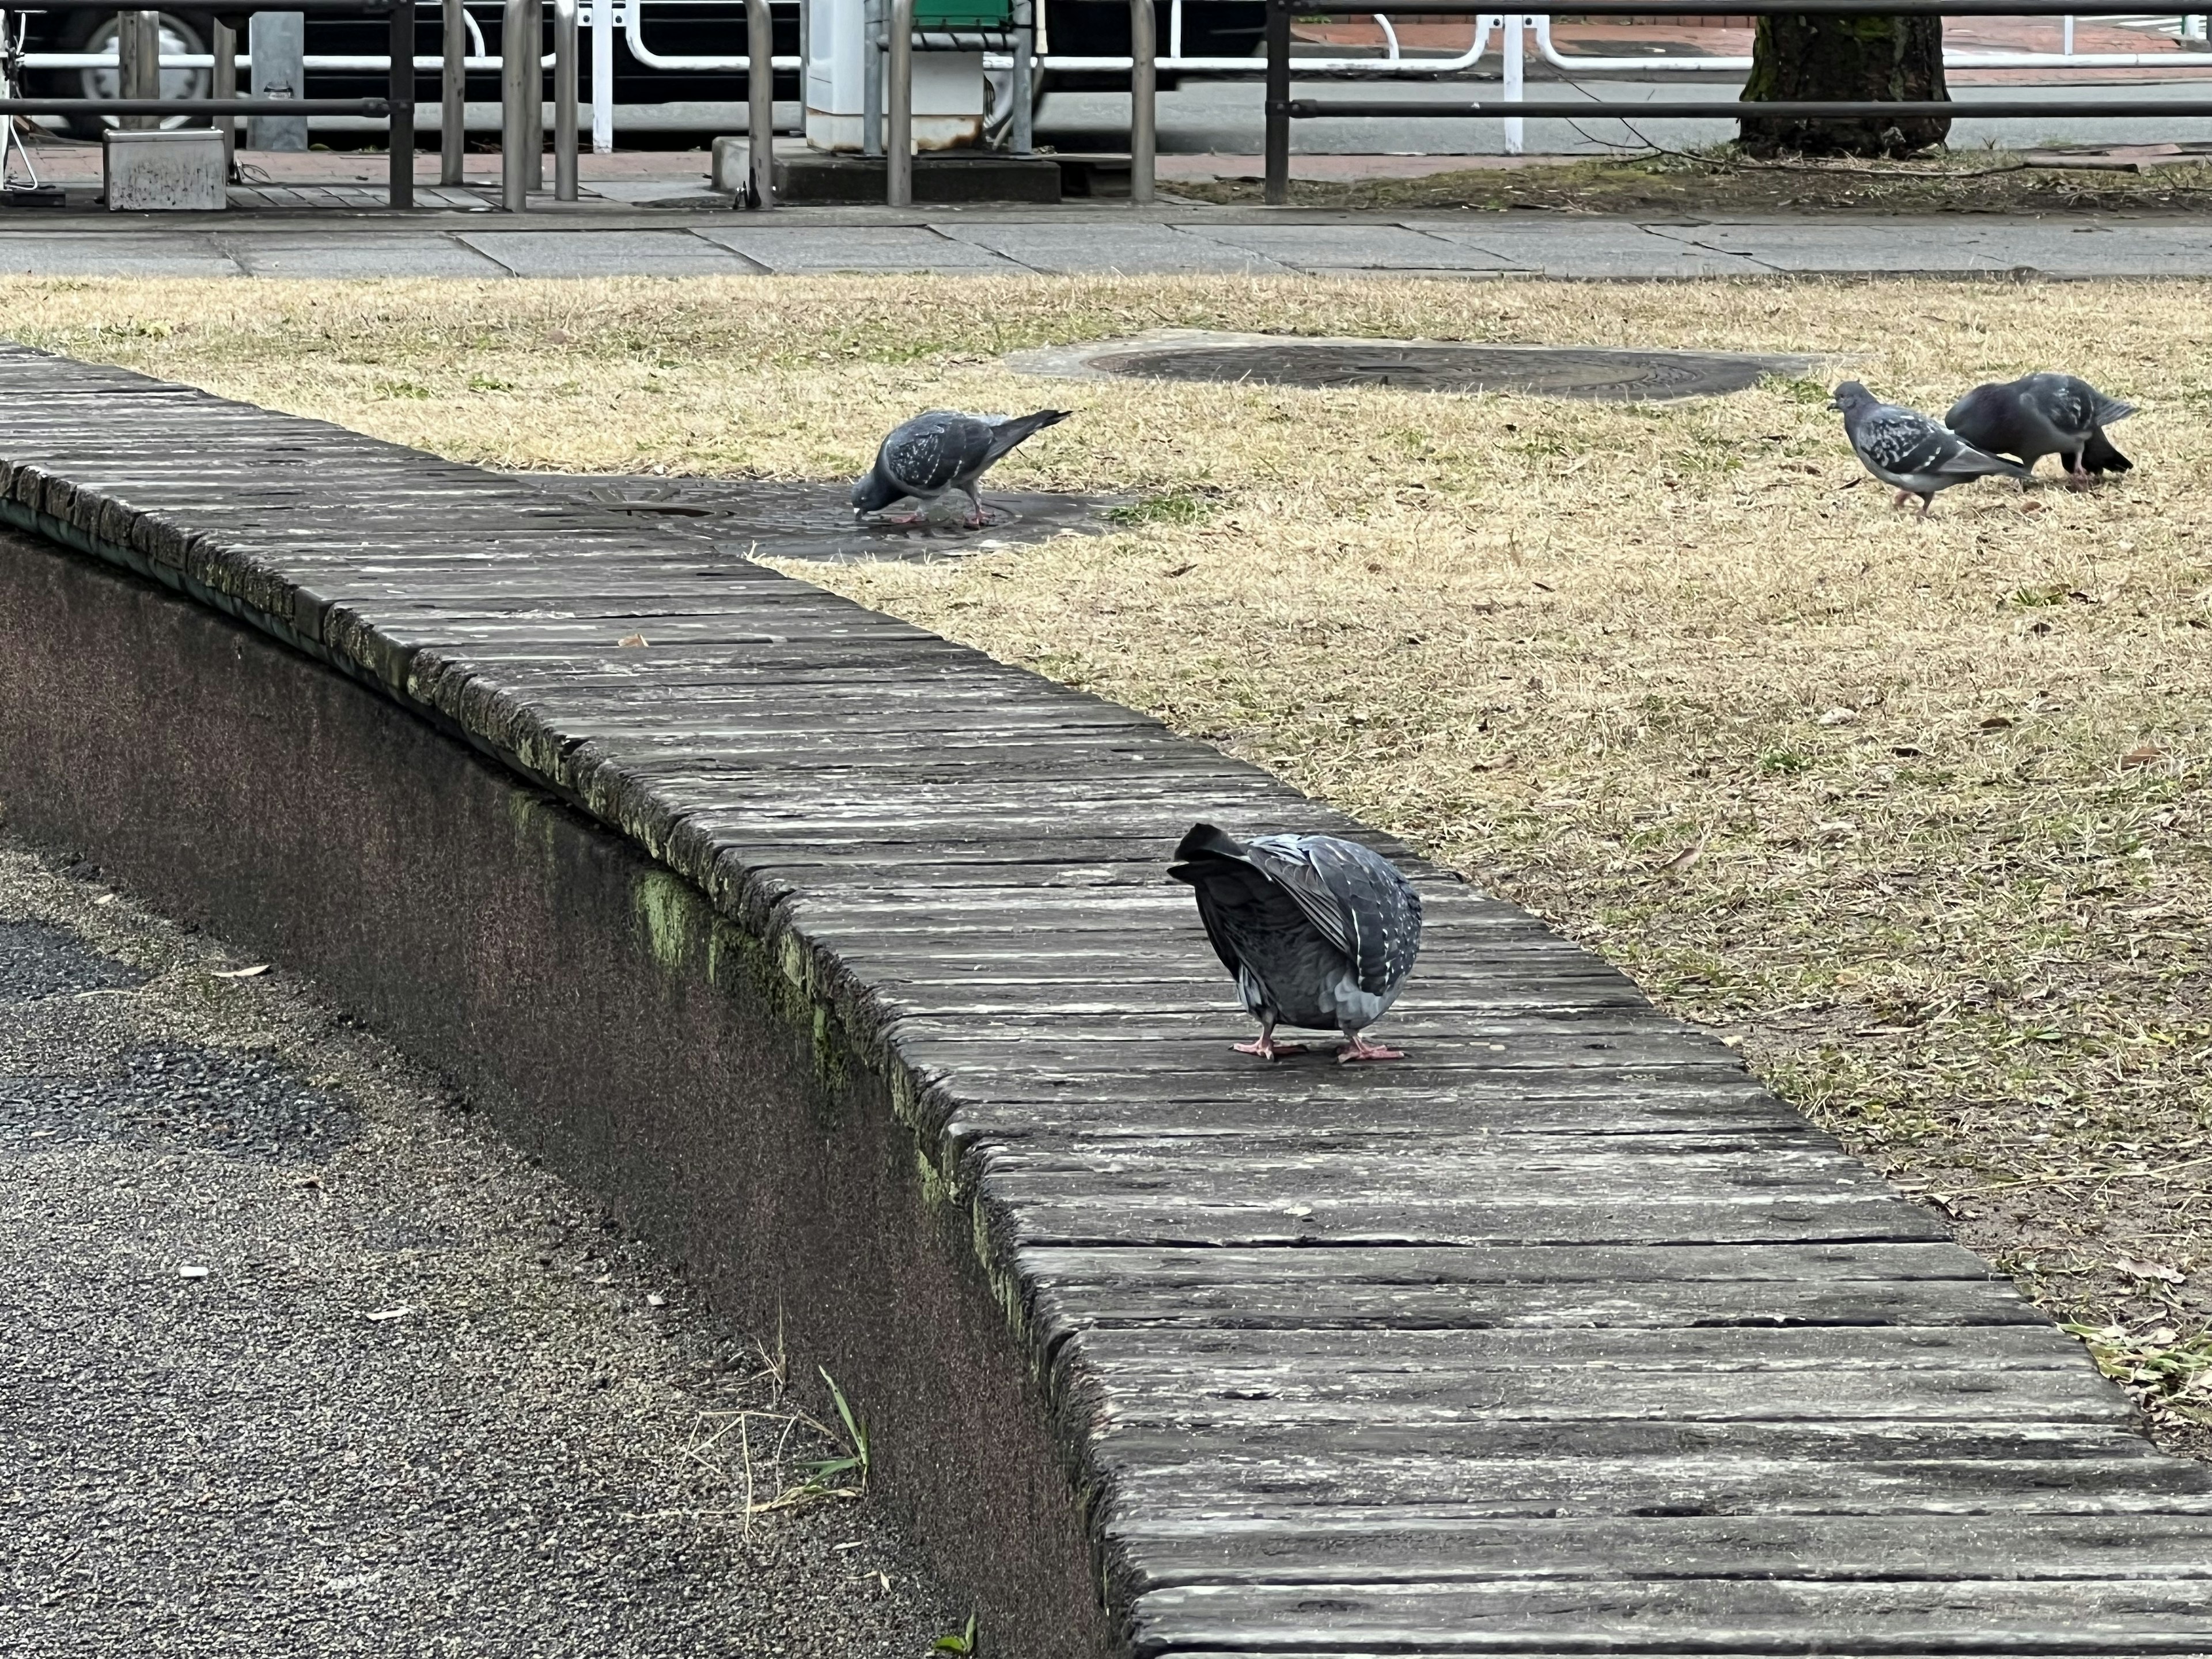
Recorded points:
(1888, 59)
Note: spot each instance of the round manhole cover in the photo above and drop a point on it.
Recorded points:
(1416, 365)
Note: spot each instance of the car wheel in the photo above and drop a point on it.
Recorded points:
(179, 35)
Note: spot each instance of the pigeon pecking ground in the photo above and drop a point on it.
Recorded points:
(420, 1401)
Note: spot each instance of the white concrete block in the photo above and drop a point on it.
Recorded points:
(180, 171)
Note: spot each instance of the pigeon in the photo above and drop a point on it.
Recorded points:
(1320, 932)
(2041, 414)
(944, 450)
(1911, 453)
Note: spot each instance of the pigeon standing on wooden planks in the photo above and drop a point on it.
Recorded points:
(1320, 932)
(944, 450)
(1911, 453)
(2041, 414)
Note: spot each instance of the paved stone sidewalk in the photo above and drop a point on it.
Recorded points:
(1107, 239)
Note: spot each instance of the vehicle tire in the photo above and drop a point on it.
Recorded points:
(187, 32)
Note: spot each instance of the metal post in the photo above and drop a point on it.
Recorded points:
(872, 76)
(452, 93)
(760, 102)
(276, 46)
(401, 188)
(520, 120)
(1024, 85)
(898, 142)
(223, 83)
(1509, 49)
(1144, 85)
(1277, 189)
(566, 48)
(139, 63)
(537, 97)
(602, 77)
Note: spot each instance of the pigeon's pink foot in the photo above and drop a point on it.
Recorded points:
(1360, 1048)
(1267, 1048)
(1901, 497)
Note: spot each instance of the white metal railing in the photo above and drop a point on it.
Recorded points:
(2065, 57)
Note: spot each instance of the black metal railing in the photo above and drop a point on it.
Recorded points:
(1282, 109)
(396, 105)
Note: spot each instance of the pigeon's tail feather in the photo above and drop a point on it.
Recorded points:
(1971, 463)
(1012, 435)
(2110, 412)
(2098, 455)
(1202, 843)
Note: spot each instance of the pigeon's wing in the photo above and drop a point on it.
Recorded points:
(1906, 443)
(2109, 411)
(1382, 911)
(1287, 862)
(1988, 417)
(1354, 896)
(929, 452)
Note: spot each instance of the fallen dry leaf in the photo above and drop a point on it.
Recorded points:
(254, 972)
(2142, 755)
(631, 638)
(2135, 1269)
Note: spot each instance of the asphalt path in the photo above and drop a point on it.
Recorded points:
(298, 1359)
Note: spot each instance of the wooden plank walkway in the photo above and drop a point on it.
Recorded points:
(1563, 1336)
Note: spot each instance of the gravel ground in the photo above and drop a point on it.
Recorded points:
(302, 1358)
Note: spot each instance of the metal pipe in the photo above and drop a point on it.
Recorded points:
(223, 83)
(399, 142)
(2007, 109)
(565, 53)
(760, 105)
(872, 76)
(898, 141)
(138, 57)
(1023, 81)
(1277, 191)
(602, 76)
(194, 106)
(1143, 110)
(452, 93)
(1511, 51)
(1739, 8)
(520, 120)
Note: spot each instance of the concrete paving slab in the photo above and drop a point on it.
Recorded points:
(1589, 248)
(47, 254)
(1131, 249)
(2098, 249)
(1855, 246)
(344, 254)
(607, 253)
(1378, 247)
(887, 247)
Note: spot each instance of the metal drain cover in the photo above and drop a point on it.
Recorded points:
(1416, 365)
(815, 520)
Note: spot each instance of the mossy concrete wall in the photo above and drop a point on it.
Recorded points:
(697, 1074)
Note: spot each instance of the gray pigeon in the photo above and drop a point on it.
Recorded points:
(1909, 453)
(2041, 414)
(944, 450)
(1320, 932)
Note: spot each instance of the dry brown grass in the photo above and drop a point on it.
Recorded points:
(1914, 810)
